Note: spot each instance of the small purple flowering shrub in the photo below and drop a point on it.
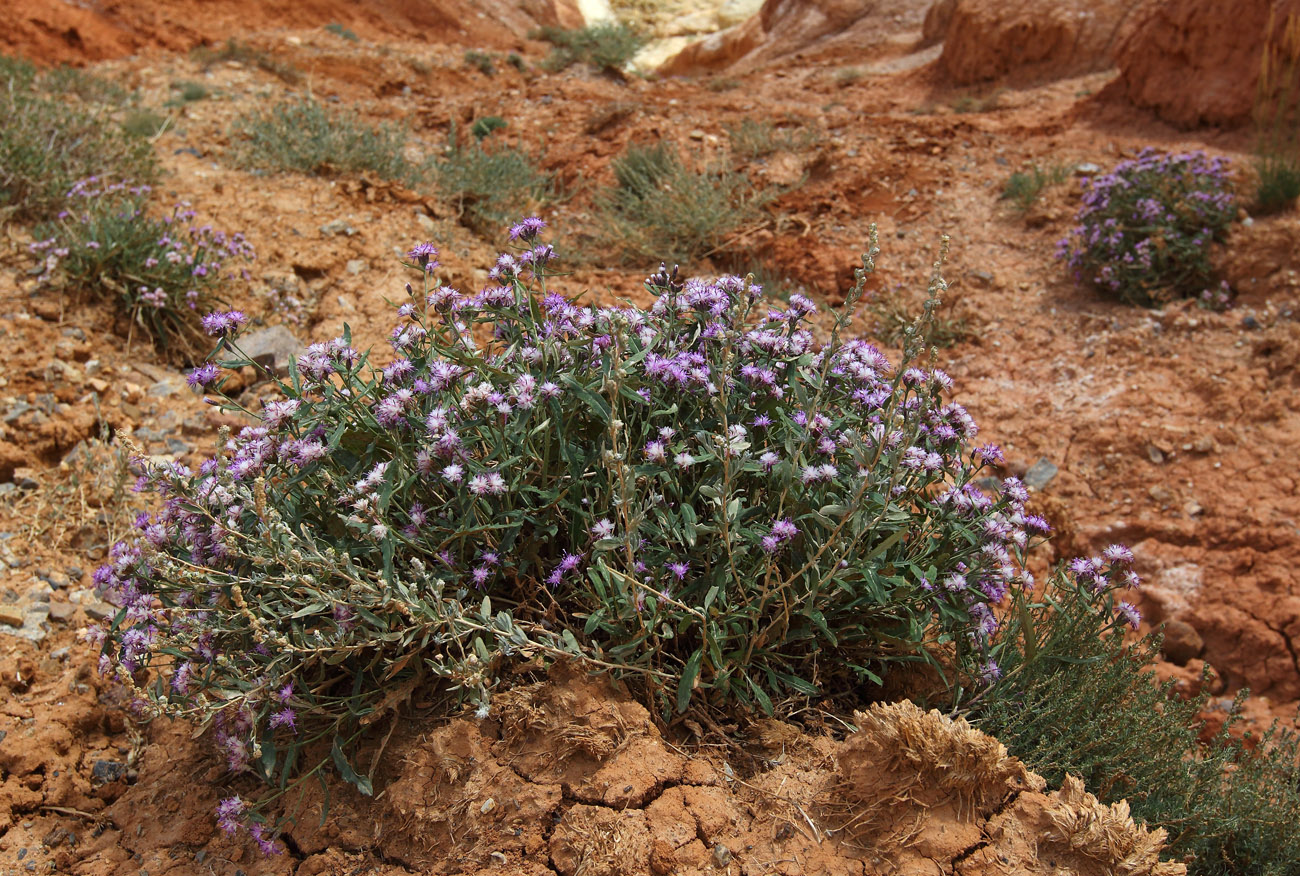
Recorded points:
(164, 272)
(1145, 228)
(696, 496)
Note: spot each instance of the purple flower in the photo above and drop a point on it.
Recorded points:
(602, 529)
(1130, 613)
(424, 254)
(223, 323)
(229, 811)
(654, 451)
(679, 569)
(527, 229)
(204, 376)
(285, 719)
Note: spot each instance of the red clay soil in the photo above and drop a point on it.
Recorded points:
(60, 31)
(1173, 430)
(1196, 62)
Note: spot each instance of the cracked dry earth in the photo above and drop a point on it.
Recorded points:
(1174, 430)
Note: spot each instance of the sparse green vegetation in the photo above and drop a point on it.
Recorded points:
(895, 313)
(977, 103)
(480, 61)
(662, 208)
(188, 91)
(603, 46)
(488, 183)
(751, 139)
(483, 128)
(1024, 187)
(342, 32)
(1277, 120)
(1230, 808)
(144, 123)
(47, 143)
(305, 137)
(240, 52)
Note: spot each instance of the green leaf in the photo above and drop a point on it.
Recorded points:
(687, 684)
(598, 405)
(764, 701)
(362, 783)
(710, 596)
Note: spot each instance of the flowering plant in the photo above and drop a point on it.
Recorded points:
(1145, 228)
(697, 496)
(164, 271)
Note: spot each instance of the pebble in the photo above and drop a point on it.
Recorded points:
(1249, 322)
(105, 771)
(357, 266)
(13, 615)
(1155, 454)
(1040, 474)
(99, 610)
(62, 612)
(721, 854)
(337, 226)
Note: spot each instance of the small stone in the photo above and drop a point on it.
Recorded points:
(1249, 322)
(1086, 169)
(1040, 474)
(1155, 454)
(426, 224)
(132, 392)
(1161, 494)
(273, 348)
(165, 388)
(177, 447)
(105, 771)
(697, 134)
(25, 478)
(13, 615)
(99, 386)
(99, 610)
(1182, 643)
(721, 854)
(1204, 444)
(337, 226)
(984, 277)
(357, 266)
(62, 612)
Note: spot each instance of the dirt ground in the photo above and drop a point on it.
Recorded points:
(1173, 430)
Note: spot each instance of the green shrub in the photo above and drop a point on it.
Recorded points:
(480, 61)
(751, 139)
(47, 144)
(1277, 120)
(1278, 183)
(483, 127)
(342, 32)
(660, 207)
(164, 273)
(305, 137)
(91, 89)
(516, 60)
(240, 52)
(695, 496)
(144, 123)
(603, 46)
(1024, 187)
(16, 73)
(1145, 228)
(1074, 698)
(488, 182)
(191, 92)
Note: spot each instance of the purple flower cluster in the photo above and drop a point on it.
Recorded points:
(610, 471)
(164, 269)
(1145, 228)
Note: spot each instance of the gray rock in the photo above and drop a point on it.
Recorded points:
(165, 388)
(1040, 474)
(357, 266)
(99, 610)
(337, 226)
(178, 447)
(105, 771)
(273, 348)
